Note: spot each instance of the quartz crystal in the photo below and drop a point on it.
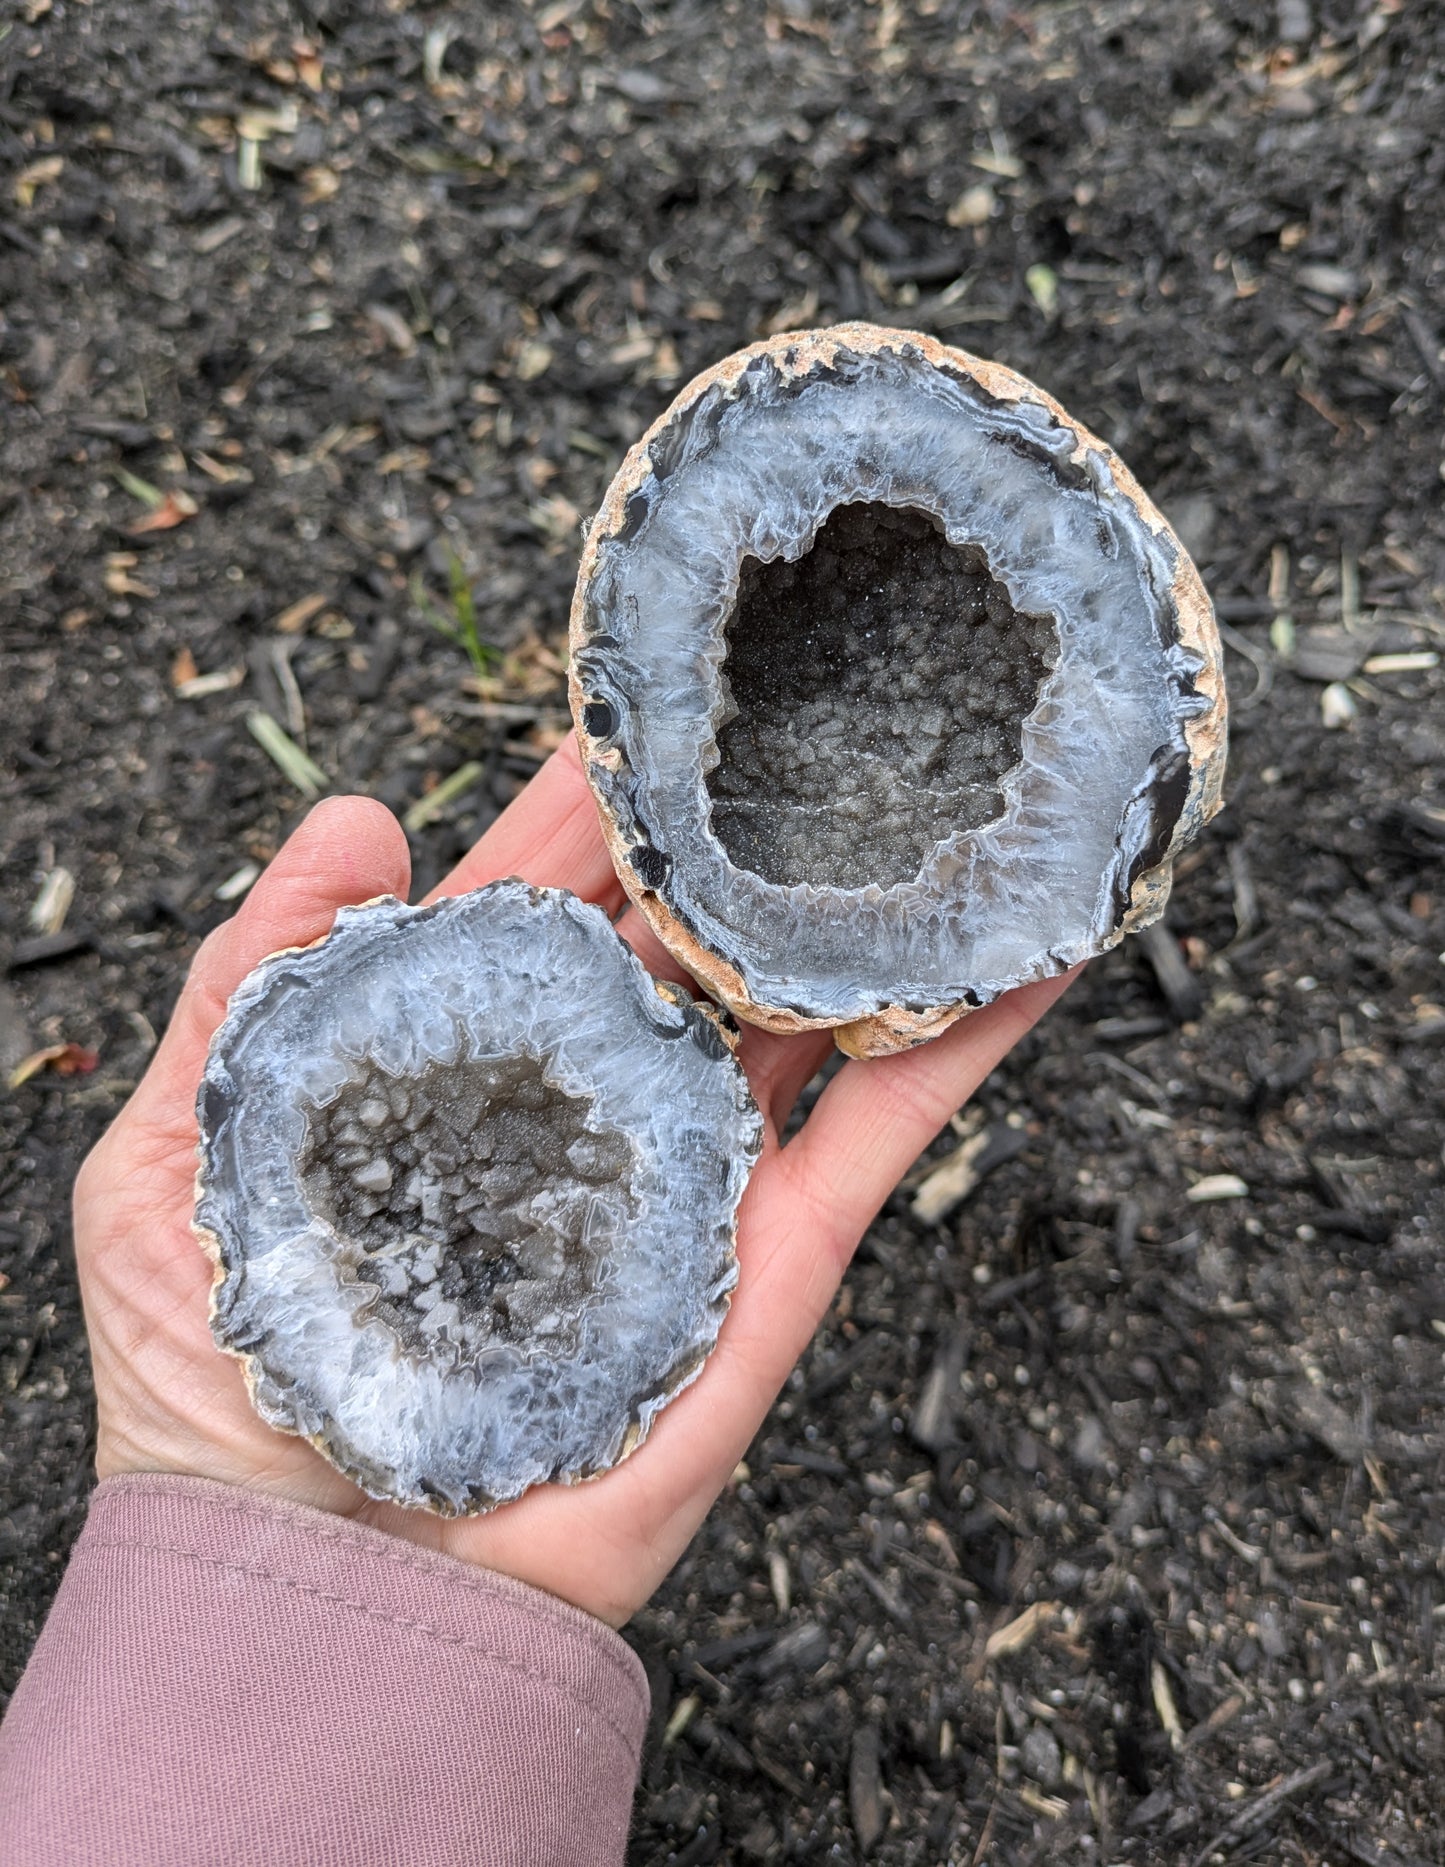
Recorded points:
(893, 688)
(470, 1180)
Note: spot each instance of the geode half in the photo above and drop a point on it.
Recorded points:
(893, 688)
(470, 1179)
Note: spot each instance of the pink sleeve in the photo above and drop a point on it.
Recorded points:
(225, 1677)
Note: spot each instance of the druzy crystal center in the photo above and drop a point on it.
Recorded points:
(875, 693)
(468, 1197)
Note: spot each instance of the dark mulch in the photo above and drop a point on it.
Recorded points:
(385, 294)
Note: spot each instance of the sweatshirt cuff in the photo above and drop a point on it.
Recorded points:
(228, 1676)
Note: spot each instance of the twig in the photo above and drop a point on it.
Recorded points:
(985, 1840)
(960, 1584)
(1182, 991)
(1263, 1807)
(1246, 1551)
(282, 650)
(880, 1592)
(1263, 665)
(509, 712)
(1246, 901)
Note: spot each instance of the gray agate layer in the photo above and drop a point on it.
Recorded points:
(470, 1179)
(1117, 761)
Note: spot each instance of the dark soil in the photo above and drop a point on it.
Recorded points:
(1104, 1519)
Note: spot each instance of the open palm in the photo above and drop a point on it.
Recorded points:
(169, 1401)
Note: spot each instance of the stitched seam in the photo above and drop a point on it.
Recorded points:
(364, 1536)
(380, 1615)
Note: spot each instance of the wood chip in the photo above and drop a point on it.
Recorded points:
(933, 1422)
(393, 327)
(680, 1718)
(219, 682)
(1405, 663)
(1053, 1808)
(534, 359)
(951, 1181)
(52, 904)
(1329, 281)
(1217, 1186)
(211, 239)
(1224, 1713)
(865, 1789)
(258, 124)
(64, 1059)
(174, 509)
(973, 207)
(1337, 706)
(780, 1581)
(35, 175)
(1164, 1705)
(996, 163)
(955, 1178)
(237, 884)
(319, 183)
(294, 618)
(1022, 1631)
(793, 316)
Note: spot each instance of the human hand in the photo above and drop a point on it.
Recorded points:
(169, 1401)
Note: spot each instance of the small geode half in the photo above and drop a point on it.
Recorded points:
(894, 689)
(470, 1180)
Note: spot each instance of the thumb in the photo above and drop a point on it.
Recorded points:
(349, 849)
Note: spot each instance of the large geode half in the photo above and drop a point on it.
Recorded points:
(894, 689)
(470, 1180)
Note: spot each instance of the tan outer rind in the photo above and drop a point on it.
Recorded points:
(795, 353)
(634, 1434)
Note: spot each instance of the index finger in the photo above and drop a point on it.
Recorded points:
(549, 835)
(876, 1117)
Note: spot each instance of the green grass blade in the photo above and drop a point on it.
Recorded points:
(283, 751)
